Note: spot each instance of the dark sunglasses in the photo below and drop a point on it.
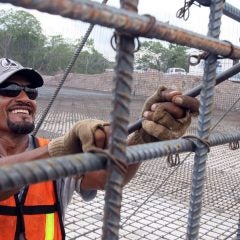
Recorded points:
(13, 90)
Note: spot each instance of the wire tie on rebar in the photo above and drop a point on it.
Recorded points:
(117, 34)
(127, 5)
(198, 58)
(121, 166)
(149, 28)
(151, 24)
(204, 56)
(230, 55)
(184, 12)
(173, 160)
(234, 145)
(192, 138)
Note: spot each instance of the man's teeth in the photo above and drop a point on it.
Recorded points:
(20, 111)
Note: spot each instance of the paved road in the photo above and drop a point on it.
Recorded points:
(47, 91)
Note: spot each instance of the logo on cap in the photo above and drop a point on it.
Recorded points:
(8, 63)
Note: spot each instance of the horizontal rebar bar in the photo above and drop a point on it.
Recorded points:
(232, 12)
(18, 175)
(130, 23)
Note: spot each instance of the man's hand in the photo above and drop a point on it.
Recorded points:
(167, 115)
(83, 136)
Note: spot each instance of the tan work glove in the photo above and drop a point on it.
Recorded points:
(163, 125)
(79, 139)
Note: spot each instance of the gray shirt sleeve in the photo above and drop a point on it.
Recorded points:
(66, 188)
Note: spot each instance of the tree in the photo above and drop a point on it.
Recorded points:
(177, 57)
(154, 55)
(90, 61)
(21, 37)
(150, 55)
(57, 55)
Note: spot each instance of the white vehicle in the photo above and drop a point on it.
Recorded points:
(179, 71)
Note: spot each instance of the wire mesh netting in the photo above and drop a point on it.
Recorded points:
(155, 203)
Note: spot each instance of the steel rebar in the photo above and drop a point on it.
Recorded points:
(231, 11)
(18, 175)
(129, 22)
(204, 125)
(194, 92)
(119, 122)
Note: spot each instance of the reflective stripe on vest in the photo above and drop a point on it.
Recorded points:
(39, 213)
(49, 228)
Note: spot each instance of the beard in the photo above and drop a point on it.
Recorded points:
(21, 128)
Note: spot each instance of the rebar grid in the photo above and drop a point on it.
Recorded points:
(18, 175)
(40, 171)
(164, 215)
(119, 123)
(204, 121)
(130, 23)
(84, 220)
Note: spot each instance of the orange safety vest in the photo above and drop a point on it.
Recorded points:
(37, 215)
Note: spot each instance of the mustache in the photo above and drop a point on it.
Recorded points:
(23, 104)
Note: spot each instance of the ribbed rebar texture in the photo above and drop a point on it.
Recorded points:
(204, 124)
(128, 22)
(119, 123)
(18, 175)
(231, 12)
(66, 72)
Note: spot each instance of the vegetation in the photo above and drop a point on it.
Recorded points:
(22, 39)
(155, 56)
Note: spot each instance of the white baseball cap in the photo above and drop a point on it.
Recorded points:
(8, 67)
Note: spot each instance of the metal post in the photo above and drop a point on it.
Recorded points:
(204, 120)
(119, 123)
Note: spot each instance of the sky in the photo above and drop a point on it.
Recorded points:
(163, 11)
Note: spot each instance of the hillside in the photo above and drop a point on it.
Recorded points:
(143, 83)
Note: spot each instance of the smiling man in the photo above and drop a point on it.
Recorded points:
(20, 115)
(37, 211)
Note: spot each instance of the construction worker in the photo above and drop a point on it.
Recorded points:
(37, 211)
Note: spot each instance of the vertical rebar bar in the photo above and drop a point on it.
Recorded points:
(238, 230)
(119, 125)
(204, 124)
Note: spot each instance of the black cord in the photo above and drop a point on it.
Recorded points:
(184, 11)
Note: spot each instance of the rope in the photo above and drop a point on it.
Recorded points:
(66, 73)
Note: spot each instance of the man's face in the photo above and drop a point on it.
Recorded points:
(17, 114)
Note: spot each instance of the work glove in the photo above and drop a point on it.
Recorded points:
(162, 126)
(79, 139)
